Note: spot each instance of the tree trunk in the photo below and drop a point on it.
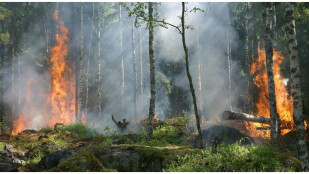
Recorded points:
(141, 68)
(12, 49)
(247, 59)
(274, 117)
(122, 63)
(228, 51)
(152, 72)
(88, 62)
(99, 109)
(183, 34)
(134, 69)
(230, 115)
(80, 90)
(296, 86)
(199, 67)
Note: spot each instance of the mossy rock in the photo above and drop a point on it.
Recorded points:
(289, 161)
(82, 161)
(129, 158)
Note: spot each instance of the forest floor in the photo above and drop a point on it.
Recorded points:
(172, 149)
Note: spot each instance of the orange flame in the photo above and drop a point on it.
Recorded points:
(60, 100)
(283, 99)
(62, 82)
(24, 120)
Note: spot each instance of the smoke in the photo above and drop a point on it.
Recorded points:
(210, 27)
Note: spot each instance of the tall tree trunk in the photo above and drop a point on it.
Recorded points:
(80, 90)
(152, 105)
(228, 51)
(183, 34)
(274, 19)
(274, 117)
(296, 86)
(99, 109)
(134, 69)
(141, 68)
(12, 49)
(199, 67)
(247, 59)
(88, 62)
(122, 63)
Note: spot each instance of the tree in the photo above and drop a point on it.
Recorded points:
(296, 86)
(134, 69)
(81, 73)
(99, 109)
(198, 125)
(152, 62)
(228, 51)
(268, 36)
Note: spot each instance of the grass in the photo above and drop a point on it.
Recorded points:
(79, 131)
(163, 136)
(232, 158)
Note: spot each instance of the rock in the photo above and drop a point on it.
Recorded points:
(57, 126)
(217, 134)
(4, 153)
(82, 161)
(5, 167)
(53, 159)
(28, 131)
(127, 158)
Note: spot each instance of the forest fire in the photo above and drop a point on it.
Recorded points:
(61, 97)
(284, 100)
(59, 101)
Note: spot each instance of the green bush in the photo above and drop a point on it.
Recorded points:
(79, 131)
(231, 158)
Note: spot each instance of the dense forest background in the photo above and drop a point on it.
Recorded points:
(105, 58)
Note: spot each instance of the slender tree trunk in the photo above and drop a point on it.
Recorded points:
(274, 117)
(247, 97)
(141, 68)
(99, 66)
(152, 105)
(122, 63)
(88, 62)
(296, 86)
(12, 49)
(183, 34)
(135, 71)
(199, 67)
(80, 90)
(228, 50)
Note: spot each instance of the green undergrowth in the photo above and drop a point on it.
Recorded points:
(232, 158)
(166, 135)
(79, 131)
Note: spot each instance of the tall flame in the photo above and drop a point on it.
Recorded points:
(283, 99)
(59, 104)
(62, 93)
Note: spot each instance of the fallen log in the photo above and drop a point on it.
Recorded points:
(230, 115)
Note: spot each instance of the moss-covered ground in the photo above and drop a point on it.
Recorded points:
(169, 144)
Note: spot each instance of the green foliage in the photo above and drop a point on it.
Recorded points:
(163, 80)
(79, 131)
(46, 130)
(2, 145)
(231, 158)
(163, 136)
(5, 37)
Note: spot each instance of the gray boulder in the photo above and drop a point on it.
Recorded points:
(53, 159)
(5, 167)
